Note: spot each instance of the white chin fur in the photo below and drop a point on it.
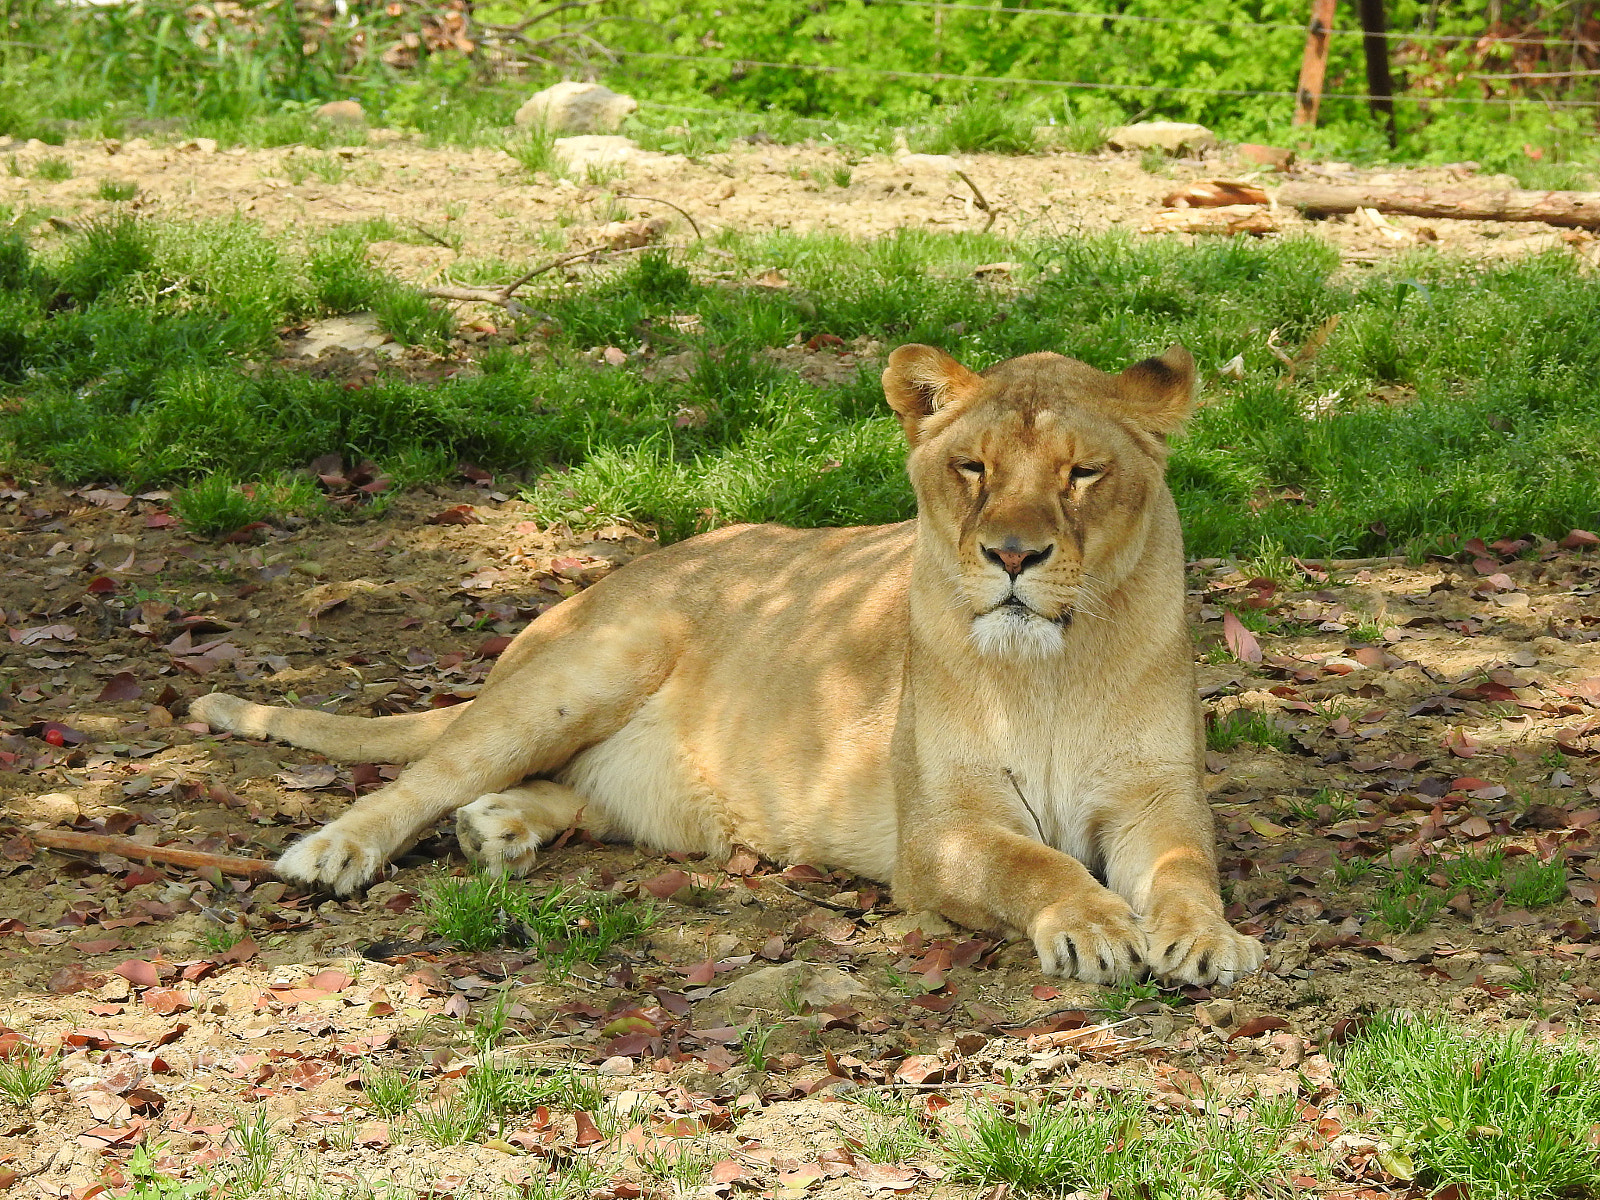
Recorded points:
(1007, 633)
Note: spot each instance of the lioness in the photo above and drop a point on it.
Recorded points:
(989, 706)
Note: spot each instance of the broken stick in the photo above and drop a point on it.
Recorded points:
(104, 843)
(1578, 210)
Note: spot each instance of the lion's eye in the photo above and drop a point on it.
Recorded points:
(1084, 474)
(969, 467)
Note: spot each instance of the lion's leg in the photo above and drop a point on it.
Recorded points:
(401, 738)
(1159, 857)
(988, 876)
(504, 830)
(575, 693)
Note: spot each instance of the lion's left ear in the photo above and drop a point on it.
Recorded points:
(1159, 392)
(922, 380)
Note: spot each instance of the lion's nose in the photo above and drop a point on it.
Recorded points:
(1013, 559)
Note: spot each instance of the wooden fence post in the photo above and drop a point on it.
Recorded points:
(1314, 63)
(1376, 44)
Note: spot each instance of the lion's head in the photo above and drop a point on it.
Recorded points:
(1037, 481)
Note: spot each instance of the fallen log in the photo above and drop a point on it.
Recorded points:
(1577, 210)
(104, 843)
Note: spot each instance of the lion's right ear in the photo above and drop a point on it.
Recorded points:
(920, 381)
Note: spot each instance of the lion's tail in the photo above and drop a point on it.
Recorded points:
(394, 739)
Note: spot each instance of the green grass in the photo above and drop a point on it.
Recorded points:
(128, 348)
(1505, 1114)
(568, 926)
(1114, 1145)
(27, 1074)
(1412, 894)
(390, 1092)
(889, 1128)
(981, 125)
(116, 189)
(52, 169)
(1244, 727)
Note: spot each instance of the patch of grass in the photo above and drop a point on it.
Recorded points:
(980, 125)
(1111, 1145)
(1125, 996)
(52, 169)
(1413, 893)
(1352, 869)
(1408, 901)
(131, 347)
(1505, 1114)
(116, 189)
(218, 505)
(1533, 884)
(27, 1074)
(1270, 561)
(390, 1092)
(411, 318)
(1244, 727)
(890, 1130)
(534, 148)
(481, 910)
(448, 1121)
(1325, 805)
(504, 1089)
(753, 1044)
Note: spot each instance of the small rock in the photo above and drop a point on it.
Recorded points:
(53, 808)
(569, 107)
(200, 145)
(1215, 1014)
(931, 923)
(342, 112)
(595, 150)
(1272, 157)
(1174, 137)
(629, 235)
(782, 989)
(616, 1065)
(634, 1104)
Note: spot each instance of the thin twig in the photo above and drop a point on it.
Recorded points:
(796, 892)
(977, 195)
(658, 200)
(428, 233)
(1017, 787)
(103, 843)
(979, 200)
(502, 295)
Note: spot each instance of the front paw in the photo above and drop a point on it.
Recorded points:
(1192, 943)
(333, 859)
(495, 831)
(1095, 939)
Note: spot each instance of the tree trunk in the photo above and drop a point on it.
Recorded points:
(1579, 210)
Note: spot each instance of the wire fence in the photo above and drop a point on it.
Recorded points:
(1391, 35)
(1091, 85)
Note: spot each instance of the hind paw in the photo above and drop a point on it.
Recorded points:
(496, 830)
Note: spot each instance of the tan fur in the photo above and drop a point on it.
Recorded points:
(988, 706)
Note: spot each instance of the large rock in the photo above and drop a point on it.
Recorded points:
(569, 107)
(1172, 136)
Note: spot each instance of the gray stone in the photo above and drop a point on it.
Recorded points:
(569, 107)
(1174, 137)
(781, 989)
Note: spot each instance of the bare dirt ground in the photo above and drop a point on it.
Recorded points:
(1469, 719)
(490, 210)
